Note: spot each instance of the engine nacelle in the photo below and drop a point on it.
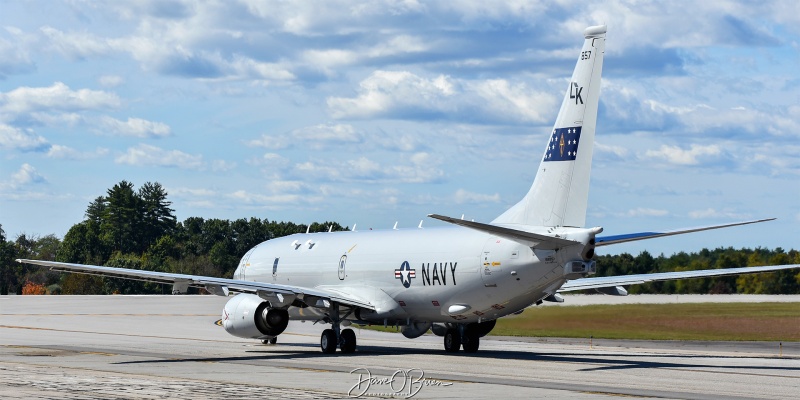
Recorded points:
(249, 316)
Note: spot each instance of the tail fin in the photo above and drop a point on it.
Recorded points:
(560, 192)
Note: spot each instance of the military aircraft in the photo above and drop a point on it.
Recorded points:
(454, 280)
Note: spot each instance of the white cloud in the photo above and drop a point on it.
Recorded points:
(147, 155)
(58, 97)
(711, 213)
(135, 127)
(271, 142)
(12, 138)
(58, 151)
(679, 156)
(222, 166)
(646, 212)
(76, 45)
(404, 95)
(322, 135)
(14, 59)
(26, 175)
(418, 168)
(462, 196)
(617, 152)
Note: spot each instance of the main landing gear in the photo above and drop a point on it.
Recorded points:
(455, 338)
(466, 336)
(345, 339)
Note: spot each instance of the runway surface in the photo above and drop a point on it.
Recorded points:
(123, 347)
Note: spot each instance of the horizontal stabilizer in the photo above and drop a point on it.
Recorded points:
(632, 237)
(530, 239)
(612, 281)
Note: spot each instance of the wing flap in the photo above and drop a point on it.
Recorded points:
(203, 281)
(611, 281)
(527, 238)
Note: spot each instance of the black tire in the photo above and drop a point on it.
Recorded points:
(348, 341)
(273, 340)
(328, 341)
(452, 341)
(472, 342)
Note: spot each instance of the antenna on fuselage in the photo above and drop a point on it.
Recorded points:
(420, 223)
(395, 225)
(354, 228)
(308, 229)
(330, 229)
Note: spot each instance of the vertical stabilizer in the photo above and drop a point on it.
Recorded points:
(560, 192)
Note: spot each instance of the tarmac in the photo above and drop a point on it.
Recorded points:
(157, 347)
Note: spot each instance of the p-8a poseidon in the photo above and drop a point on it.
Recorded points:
(454, 280)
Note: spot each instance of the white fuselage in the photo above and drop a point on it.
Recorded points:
(419, 273)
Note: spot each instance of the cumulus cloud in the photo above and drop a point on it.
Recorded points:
(462, 196)
(135, 127)
(57, 97)
(58, 151)
(712, 213)
(418, 168)
(405, 95)
(152, 156)
(26, 175)
(692, 156)
(14, 59)
(646, 212)
(317, 137)
(12, 138)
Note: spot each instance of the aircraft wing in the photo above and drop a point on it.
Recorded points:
(612, 281)
(218, 286)
(528, 238)
(630, 237)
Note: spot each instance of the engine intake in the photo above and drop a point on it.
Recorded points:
(249, 316)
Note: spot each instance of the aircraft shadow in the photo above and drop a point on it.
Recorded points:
(594, 362)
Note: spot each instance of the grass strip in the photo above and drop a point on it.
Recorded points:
(692, 321)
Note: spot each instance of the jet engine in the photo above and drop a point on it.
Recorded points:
(249, 316)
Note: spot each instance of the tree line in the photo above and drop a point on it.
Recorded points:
(130, 228)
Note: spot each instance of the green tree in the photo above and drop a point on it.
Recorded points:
(8, 267)
(121, 218)
(157, 218)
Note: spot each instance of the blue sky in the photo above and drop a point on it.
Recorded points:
(383, 111)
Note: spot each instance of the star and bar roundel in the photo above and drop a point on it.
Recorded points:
(563, 144)
(405, 273)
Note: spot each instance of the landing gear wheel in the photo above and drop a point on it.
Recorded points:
(348, 344)
(452, 341)
(328, 341)
(472, 343)
(270, 341)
